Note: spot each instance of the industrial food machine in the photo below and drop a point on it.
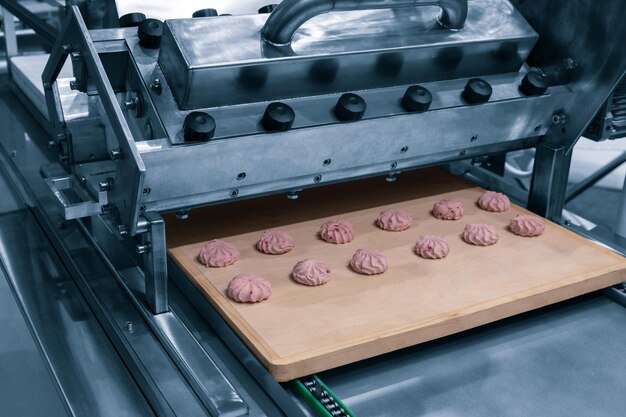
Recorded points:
(172, 116)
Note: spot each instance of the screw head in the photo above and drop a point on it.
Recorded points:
(116, 154)
(477, 91)
(205, 13)
(278, 117)
(350, 107)
(417, 99)
(150, 32)
(198, 127)
(534, 83)
(131, 20)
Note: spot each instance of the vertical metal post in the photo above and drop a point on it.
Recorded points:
(620, 227)
(10, 38)
(549, 182)
(153, 248)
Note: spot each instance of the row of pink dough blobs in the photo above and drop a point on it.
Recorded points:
(248, 288)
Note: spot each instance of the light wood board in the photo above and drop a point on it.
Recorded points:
(302, 330)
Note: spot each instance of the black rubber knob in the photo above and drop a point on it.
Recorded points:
(150, 32)
(131, 20)
(198, 127)
(205, 13)
(350, 107)
(417, 99)
(267, 8)
(278, 117)
(535, 83)
(477, 91)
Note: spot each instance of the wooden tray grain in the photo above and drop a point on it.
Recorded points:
(302, 330)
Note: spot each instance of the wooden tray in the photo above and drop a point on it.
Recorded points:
(302, 330)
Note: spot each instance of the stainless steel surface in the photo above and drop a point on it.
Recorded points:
(155, 263)
(597, 50)
(178, 361)
(75, 38)
(549, 182)
(374, 49)
(562, 361)
(287, 18)
(85, 368)
(176, 10)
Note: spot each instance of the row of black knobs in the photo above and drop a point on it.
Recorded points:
(279, 117)
(151, 30)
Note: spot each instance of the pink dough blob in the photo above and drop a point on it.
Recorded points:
(337, 231)
(394, 220)
(369, 262)
(527, 225)
(432, 247)
(218, 254)
(494, 202)
(480, 234)
(248, 288)
(274, 242)
(448, 210)
(311, 272)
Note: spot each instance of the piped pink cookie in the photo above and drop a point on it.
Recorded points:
(337, 231)
(494, 202)
(369, 262)
(394, 220)
(480, 234)
(248, 288)
(311, 272)
(527, 225)
(218, 254)
(432, 247)
(274, 242)
(448, 210)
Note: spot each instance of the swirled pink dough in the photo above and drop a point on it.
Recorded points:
(218, 254)
(448, 210)
(494, 202)
(480, 234)
(432, 247)
(337, 231)
(369, 262)
(527, 225)
(394, 220)
(248, 288)
(311, 272)
(274, 242)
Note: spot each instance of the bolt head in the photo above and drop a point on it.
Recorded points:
(350, 107)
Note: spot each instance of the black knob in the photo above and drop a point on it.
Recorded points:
(477, 91)
(198, 127)
(278, 117)
(417, 99)
(350, 107)
(268, 8)
(535, 83)
(150, 32)
(205, 13)
(131, 20)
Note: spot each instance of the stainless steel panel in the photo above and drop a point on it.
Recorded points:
(22, 367)
(591, 33)
(89, 375)
(175, 10)
(193, 175)
(564, 361)
(223, 61)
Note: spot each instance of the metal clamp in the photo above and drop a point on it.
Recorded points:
(86, 205)
(291, 14)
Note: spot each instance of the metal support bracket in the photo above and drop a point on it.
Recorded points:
(549, 182)
(153, 249)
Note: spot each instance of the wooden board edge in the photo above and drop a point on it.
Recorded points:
(289, 368)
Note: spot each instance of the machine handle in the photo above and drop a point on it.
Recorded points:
(291, 14)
